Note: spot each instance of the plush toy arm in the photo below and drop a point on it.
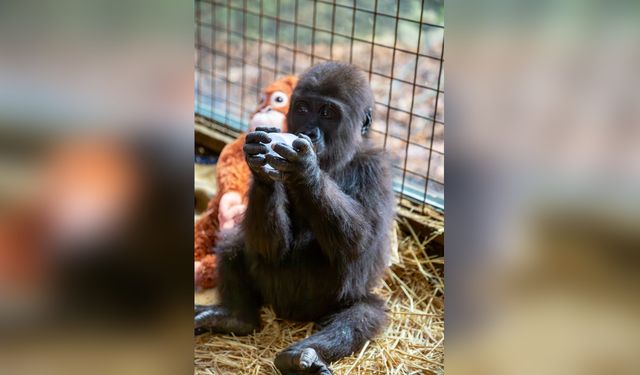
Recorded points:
(205, 229)
(232, 171)
(206, 272)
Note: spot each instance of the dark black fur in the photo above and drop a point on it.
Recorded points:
(314, 241)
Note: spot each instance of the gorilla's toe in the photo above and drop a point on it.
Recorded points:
(301, 361)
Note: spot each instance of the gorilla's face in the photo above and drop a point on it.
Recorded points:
(330, 105)
(318, 117)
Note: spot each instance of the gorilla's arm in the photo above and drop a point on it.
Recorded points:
(267, 219)
(342, 224)
(337, 220)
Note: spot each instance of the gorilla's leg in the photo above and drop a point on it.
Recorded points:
(238, 312)
(219, 319)
(342, 334)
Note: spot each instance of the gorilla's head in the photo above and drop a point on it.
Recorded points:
(332, 104)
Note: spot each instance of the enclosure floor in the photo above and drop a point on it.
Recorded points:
(411, 344)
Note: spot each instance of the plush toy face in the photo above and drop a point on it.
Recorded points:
(274, 105)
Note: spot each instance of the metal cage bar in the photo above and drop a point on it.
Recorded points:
(242, 45)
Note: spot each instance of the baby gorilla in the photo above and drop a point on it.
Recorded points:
(314, 240)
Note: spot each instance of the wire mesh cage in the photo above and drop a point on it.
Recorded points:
(242, 46)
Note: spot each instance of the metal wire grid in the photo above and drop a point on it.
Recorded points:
(242, 45)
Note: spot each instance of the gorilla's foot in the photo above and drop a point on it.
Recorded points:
(301, 361)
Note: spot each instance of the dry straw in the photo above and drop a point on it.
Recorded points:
(411, 344)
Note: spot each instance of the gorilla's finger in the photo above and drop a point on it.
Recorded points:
(268, 129)
(258, 137)
(285, 151)
(279, 163)
(275, 175)
(255, 148)
(256, 161)
(303, 144)
(302, 135)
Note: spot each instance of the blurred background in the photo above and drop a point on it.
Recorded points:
(96, 115)
(543, 188)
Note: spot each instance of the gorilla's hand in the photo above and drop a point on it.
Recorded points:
(254, 152)
(298, 163)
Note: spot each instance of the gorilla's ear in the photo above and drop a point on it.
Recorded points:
(366, 123)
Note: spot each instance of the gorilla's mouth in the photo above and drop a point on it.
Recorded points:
(317, 139)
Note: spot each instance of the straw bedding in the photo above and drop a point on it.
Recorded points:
(411, 344)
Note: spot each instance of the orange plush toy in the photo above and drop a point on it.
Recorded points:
(225, 209)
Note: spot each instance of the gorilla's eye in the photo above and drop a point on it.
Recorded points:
(278, 99)
(326, 112)
(302, 107)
